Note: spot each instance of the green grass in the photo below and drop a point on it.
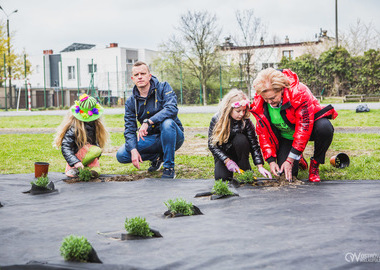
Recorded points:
(18, 152)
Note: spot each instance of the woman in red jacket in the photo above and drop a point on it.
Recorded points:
(288, 116)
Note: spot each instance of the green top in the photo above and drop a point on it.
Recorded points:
(276, 119)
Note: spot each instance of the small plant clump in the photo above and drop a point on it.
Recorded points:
(85, 175)
(138, 226)
(180, 206)
(75, 248)
(221, 188)
(246, 177)
(42, 181)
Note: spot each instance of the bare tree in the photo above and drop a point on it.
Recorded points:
(252, 32)
(195, 45)
(360, 38)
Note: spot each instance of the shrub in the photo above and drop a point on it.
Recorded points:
(42, 181)
(85, 174)
(180, 206)
(75, 248)
(221, 188)
(138, 226)
(246, 177)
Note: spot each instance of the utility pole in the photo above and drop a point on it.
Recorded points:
(336, 23)
(9, 54)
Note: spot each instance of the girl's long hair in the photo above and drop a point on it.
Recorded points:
(69, 121)
(221, 131)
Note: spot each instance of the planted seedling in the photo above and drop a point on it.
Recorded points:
(75, 248)
(138, 226)
(221, 188)
(85, 175)
(247, 177)
(42, 181)
(180, 206)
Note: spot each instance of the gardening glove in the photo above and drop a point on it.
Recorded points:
(232, 166)
(264, 172)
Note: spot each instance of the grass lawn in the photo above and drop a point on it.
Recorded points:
(18, 152)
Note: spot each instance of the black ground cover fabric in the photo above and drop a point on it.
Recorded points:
(311, 226)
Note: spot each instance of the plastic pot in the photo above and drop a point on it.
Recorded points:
(340, 161)
(41, 169)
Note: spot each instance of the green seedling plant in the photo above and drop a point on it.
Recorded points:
(75, 248)
(247, 177)
(85, 175)
(138, 226)
(180, 206)
(221, 188)
(42, 181)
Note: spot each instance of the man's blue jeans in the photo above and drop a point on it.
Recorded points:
(167, 142)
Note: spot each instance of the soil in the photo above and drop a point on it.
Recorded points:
(281, 181)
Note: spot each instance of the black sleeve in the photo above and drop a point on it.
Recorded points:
(216, 150)
(68, 147)
(257, 157)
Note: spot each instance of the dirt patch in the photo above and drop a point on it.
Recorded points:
(138, 175)
(281, 181)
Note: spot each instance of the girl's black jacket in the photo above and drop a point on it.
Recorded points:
(69, 145)
(245, 127)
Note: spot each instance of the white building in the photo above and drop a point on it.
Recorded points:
(83, 67)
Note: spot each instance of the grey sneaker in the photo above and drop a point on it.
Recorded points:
(72, 173)
(168, 173)
(156, 164)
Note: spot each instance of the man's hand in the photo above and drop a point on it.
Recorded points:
(287, 167)
(274, 168)
(78, 165)
(136, 158)
(143, 131)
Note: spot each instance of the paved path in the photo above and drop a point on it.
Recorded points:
(182, 109)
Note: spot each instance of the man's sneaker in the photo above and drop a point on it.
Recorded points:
(303, 163)
(156, 164)
(168, 173)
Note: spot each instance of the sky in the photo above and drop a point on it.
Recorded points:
(51, 24)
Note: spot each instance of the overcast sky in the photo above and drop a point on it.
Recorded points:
(51, 24)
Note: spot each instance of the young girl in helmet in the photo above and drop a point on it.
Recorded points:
(232, 137)
(82, 136)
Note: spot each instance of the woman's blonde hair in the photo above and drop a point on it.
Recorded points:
(221, 131)
(69, 121)
(272, 77)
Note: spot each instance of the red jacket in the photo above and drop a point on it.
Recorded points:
(299, 110)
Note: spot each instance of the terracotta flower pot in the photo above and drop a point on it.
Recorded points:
(40, 169)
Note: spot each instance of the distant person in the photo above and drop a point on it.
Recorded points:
(154, 105)
(288, 116)
(232, 137)
(81, 136)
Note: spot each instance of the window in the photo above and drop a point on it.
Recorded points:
(267, 65)
(71, 72)
(288, 54)
(90, 68)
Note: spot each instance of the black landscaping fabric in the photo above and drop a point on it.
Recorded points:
(311, 226)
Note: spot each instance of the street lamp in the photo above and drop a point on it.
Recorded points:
(9, 54)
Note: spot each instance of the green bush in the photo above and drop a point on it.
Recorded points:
(138, 226)
(75, 248)
(42, 181)
(85, 174)
(221, 188)
(246, 177)
(180, 206)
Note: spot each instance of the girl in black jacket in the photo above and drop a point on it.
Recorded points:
(232, 136)
(81, 136)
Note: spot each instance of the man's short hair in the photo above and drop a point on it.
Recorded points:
(141, 63)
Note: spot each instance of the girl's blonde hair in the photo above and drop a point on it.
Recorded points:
(221, 131)
(272, 77)
(69, 121)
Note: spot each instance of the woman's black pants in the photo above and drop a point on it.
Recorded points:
(239, 153)
(322, 135)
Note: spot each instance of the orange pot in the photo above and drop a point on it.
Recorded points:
(41, 169)
(341, 161)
